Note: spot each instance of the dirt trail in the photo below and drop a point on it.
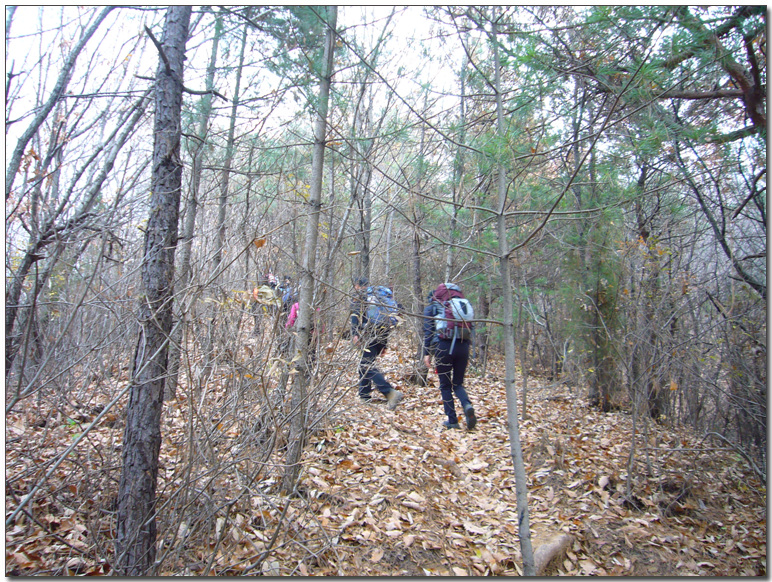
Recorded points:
(408, 497)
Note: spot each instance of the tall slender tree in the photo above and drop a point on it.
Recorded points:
(191, 212)
(136, 527)
(523, 521)
(298, 426)
(222, 206)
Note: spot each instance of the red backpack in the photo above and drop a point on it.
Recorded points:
(454, 321)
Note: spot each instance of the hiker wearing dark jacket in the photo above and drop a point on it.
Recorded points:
(373, 342)
(451, 358)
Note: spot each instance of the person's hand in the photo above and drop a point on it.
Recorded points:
(428, 361)
(355, 339)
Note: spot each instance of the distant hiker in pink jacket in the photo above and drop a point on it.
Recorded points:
(293, 315)
(312, 337)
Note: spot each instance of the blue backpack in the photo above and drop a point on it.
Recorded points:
(381, 308)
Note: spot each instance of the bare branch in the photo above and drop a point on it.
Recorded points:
(56, 94)
(205, 92)
(161, 52)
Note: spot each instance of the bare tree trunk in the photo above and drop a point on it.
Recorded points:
(643, 360)
(136, 529)
(246, 219)
(364, 204)
(212, 323)
(298, 425)
(389, 228)
(329, 275)
(226, 172)
(458, 175)
(521, 486)
(182, 302)
(329, 271)
(8, 22)
(416, 253)
(422, 372)
(523, 349)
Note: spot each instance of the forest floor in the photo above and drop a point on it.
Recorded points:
(409, 498)
(393, 493)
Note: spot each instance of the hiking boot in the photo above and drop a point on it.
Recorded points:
(471, 419)
(447, 424)
(393, 398)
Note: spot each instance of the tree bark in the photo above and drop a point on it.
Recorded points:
(136, 529)
(361, 174)
(521, 487)
(306, 313)
(550, 552)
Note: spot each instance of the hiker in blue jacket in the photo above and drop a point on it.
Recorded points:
(451, 357)
(373, 341)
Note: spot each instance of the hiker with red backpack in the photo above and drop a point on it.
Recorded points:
(448, 336)
(373, 315)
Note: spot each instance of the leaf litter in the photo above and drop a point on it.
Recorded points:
(395, 494)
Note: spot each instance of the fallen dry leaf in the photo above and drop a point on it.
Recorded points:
(396, 483)
(472, 528)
